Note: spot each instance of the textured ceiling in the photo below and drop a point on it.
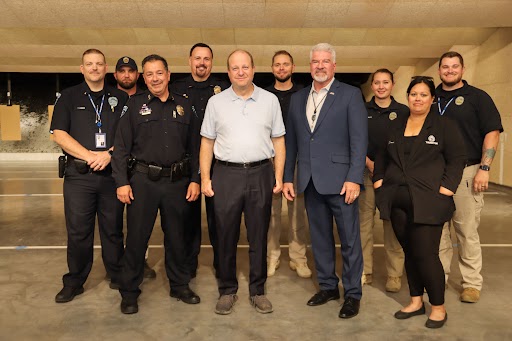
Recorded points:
(50, 35)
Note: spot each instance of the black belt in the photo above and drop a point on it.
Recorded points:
(244, 164)
(472, 162)
(176, 172)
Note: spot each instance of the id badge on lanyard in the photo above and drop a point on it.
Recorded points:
(100, 137)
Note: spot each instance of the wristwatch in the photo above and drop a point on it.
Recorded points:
(485, 167)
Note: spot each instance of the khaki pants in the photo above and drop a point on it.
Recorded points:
(297, 233)
(465, 222)
(392, 248)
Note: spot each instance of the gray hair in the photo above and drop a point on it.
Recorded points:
(323, 47)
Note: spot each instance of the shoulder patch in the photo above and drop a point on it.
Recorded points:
(125, 109)
(57, 95)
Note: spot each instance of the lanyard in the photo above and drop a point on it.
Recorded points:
(441, 112)
(98, 112)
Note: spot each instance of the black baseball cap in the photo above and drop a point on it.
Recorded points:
(126, 61)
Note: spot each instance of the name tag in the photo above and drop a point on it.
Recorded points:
(101, 140)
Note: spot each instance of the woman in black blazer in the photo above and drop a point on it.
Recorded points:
(416, 175)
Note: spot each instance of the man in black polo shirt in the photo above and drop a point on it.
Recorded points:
(158, 133)
(480, 124)
(284, 88)
(198, 87)
(83, 125)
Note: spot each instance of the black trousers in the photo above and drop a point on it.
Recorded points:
(193, 234)
(421, 248)
(247, 191)
(85, 197)
(151, 196)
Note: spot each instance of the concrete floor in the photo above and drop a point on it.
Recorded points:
(33, 259)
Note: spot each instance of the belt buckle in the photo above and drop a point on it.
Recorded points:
(246, 165)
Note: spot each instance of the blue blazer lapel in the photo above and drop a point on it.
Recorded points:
(304, 104)
(329, 100)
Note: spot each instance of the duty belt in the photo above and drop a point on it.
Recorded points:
(176, 172)
(243, 165)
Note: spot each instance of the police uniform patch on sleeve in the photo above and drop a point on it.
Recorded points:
(217, 90)
(125, 109)
(180, 110)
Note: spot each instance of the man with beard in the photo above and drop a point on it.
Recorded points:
(327, 132)
(84, 123)
(480, 124)
(126, 75)
(284, 88)
(159, 132)
(198, 87)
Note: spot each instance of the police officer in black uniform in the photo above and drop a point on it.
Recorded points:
(126, 75)
(84, 122)
(156, 168)
(198, 87)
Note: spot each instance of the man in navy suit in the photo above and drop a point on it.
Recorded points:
(327, 135)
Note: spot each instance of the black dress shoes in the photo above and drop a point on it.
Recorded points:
(68, 293)
(324, 296)
(436, 324)
(402, 315)
(129, 306)
(186, 295)
(350, 308)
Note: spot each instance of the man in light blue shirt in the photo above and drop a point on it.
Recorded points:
(243, 128)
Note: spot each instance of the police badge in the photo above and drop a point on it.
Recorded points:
(392, 116)
(217, 90)
(113, 102)
(180, 110)
(459, 100)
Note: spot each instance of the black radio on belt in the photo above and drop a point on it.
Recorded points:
(62, 166)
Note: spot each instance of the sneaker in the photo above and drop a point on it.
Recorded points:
(262, 304)
(366, 279)
(301, 269)
(470, 295)
(148, 272)
(272, 266)
(225, 304)
(393, 284)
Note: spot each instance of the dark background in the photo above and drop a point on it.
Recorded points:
(37, 90)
